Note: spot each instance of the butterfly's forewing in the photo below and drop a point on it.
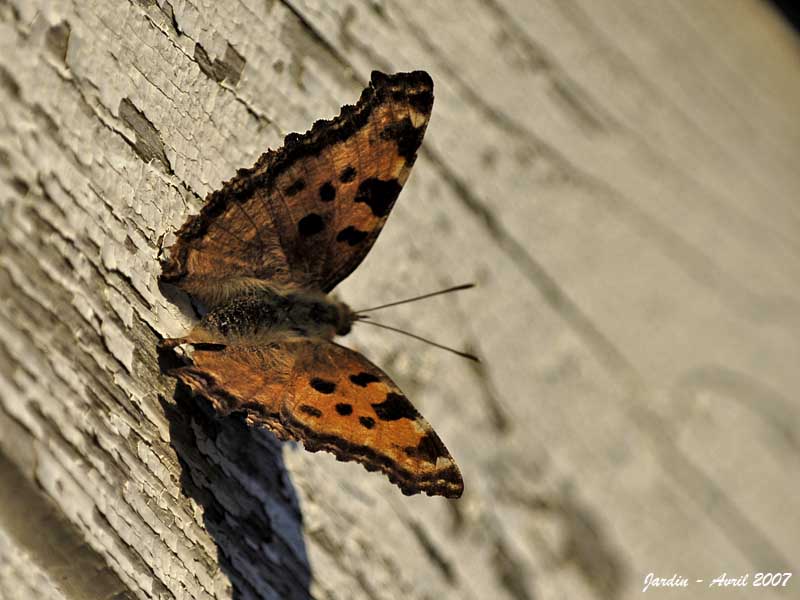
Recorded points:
(308, 213)
(330, 398)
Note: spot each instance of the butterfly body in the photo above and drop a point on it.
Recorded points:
(266, 313)
(264, 253)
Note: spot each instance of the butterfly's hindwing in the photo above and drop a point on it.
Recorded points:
(329, 398)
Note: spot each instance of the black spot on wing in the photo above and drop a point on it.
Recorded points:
(297, 186)
(327, 192)
(348, 174)
(344, 409)
(367, 422)
(351, 235)
(378, 194)
(430, 448)
(363, 379)
(323, 386)
(310, 410)
(407, 137)
(311, 224)
(422, 101)
(395, 407)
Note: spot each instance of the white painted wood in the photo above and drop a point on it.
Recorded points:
(620, 178)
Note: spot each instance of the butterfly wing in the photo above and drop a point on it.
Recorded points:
(330, 398)
(307, 214)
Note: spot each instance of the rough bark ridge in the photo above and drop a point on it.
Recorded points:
(622, 180)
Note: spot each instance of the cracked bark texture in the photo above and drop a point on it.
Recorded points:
(620, 178)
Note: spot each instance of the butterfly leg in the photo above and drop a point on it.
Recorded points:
(167, 343)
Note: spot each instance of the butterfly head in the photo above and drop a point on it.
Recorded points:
(346, 318)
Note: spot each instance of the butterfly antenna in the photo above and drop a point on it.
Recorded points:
(463, 286)
(421, 339)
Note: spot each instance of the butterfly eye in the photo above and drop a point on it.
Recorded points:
(345, 320)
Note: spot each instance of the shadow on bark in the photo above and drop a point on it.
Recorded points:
(250, 508)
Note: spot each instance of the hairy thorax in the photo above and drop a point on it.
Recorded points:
(267, 313)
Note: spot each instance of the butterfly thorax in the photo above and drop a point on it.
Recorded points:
(271, 313)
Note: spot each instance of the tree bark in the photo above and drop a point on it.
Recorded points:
(619, 177)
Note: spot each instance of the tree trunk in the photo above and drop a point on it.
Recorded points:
(619, 177)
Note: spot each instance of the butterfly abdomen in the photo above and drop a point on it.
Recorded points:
(266, 313)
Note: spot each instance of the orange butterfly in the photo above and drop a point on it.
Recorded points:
(262, 255)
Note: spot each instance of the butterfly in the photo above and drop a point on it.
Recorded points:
(262, 256)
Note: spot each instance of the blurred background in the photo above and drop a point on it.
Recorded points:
(621, 180)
